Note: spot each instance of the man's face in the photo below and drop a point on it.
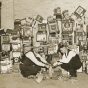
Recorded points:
(36, 50)
(63, 50)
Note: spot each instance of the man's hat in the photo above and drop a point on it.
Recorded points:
(36, 45)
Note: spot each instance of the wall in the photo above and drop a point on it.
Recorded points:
(18, 9)
(7, 14)
(26, 8)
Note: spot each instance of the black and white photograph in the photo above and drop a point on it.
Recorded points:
(43, 43)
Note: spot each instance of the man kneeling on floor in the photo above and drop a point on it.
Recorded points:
(32, 62)
(70, 60)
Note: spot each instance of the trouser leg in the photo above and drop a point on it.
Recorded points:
(29, 70)
(65, 66)
(70, 68)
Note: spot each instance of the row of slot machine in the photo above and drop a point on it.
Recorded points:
(11, 51)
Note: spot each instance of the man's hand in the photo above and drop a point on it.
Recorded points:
(59, 63)
(47, 66)
(55, 64)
